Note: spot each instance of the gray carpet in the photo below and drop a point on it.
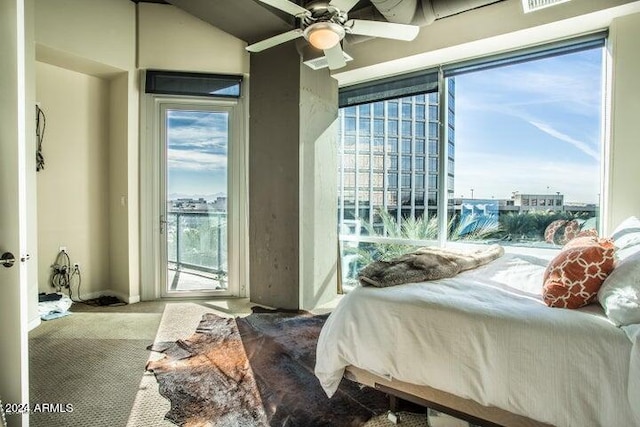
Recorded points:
(93, 359)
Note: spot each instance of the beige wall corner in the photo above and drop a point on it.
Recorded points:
(96, 30)
(171, 39)
(133, 187)
(118, 177)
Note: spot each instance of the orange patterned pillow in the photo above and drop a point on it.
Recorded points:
(572, 279)
(570, 229)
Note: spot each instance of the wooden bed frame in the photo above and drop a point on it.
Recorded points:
(464, 409)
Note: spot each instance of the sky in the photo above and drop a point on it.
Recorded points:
(533, 127)
(197, 153)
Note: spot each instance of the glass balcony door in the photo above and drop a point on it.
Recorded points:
(194, 225)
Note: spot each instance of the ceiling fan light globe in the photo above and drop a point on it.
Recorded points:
(324, 35)
(323, 39)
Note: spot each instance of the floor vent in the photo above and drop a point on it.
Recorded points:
(533, 5)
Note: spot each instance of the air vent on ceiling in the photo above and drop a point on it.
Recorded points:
(533, 5)
(321, 61)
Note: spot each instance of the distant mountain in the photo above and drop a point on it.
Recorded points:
(207, 197)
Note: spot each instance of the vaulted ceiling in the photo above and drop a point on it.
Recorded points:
(252, 20)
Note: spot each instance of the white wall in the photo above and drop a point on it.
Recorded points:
(622, 196)
(73, 188)
(171, 39)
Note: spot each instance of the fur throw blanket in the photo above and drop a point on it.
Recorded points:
(424, 264)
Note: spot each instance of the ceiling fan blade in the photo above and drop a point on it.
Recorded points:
(286, 6)
(335, 58)
(344, 5)
(275, 40)
(388, 30)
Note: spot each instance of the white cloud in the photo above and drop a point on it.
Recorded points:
(195, 161)
(570, 83)
(197, 136)
(566, 138)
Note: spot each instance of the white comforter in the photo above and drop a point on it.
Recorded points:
(486, 335)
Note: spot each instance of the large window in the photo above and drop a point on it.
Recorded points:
(527, 146)
(505, 147)
(394, 197)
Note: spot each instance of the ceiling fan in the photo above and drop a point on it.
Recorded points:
(325, 23)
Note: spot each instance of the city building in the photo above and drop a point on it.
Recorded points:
(388, 159)
(520, 203)
(198, 205)
(533, 202)
(186, 203)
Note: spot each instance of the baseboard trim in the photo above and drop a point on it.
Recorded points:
(92, 295)
(34, 323)
(109, 292)
(133, 299)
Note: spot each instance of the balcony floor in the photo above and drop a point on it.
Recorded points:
(185, 279)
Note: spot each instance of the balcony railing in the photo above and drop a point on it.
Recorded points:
(198, 241)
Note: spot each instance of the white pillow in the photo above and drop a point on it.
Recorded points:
(619, 294)
(626, 237)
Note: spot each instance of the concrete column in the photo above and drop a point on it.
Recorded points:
(292, 181)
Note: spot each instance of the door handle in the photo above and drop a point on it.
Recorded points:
(163, 224)
(7, 259)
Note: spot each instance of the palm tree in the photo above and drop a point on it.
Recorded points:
(470, 227)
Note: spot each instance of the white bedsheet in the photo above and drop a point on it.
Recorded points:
(486, 335)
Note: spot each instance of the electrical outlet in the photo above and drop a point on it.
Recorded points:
(63, 249)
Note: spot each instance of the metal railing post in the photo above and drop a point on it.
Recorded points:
(177, 240)
(219, 244)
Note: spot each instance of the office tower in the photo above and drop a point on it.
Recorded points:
(388, 159)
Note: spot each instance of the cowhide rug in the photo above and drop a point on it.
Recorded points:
(256, 371)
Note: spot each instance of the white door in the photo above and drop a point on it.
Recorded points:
(198, 205)
(14, 387)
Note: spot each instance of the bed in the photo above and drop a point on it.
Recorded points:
(484, 344)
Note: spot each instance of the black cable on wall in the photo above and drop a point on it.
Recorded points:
(63, 274)
(41, 124)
